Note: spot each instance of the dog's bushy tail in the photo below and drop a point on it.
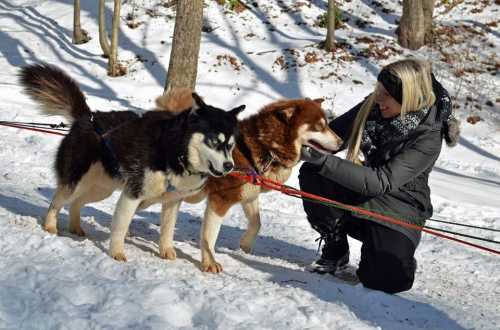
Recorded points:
(55, 91)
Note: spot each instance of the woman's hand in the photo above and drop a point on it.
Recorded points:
(311, 155)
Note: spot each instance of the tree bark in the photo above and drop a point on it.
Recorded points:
(80, 36)
(428, 8)
(114, 68)
(103, 34)
(411, 28)
(183, 65)
(330, 28)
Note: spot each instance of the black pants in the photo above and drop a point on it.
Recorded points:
(387, 256)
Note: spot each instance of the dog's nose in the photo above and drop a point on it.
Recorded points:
(228, 166)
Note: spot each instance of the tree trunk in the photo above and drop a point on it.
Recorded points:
(411, 27)
(183, 65)
(330, 28)
(114, 68)
(428, 8)
(80, 36)
(103, 34)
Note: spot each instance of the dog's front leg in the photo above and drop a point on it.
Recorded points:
(209, 232)
(168, 219)
(125, 209)
(251, 210)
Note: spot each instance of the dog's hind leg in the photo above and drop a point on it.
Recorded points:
(94, 194)
(125, 210)
(251, 210)
(61, 197)
(169, 212)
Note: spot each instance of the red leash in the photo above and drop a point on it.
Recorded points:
(259, 180)
(256, 179)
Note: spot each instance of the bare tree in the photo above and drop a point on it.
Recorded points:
(103, 36)
(114, 67)
(80, 36)
(415, 28)
(428, 8)
(330, 27)
(183, 65)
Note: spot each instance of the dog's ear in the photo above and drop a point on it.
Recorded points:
(237, 110)
(175, 100)
(285, 114)
(288, 112)
(198, 102)
(318, 100)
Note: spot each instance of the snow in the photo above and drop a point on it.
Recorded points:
(67, 282)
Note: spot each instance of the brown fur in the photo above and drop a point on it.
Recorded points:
(269, 130)
(174, 101)
(278, 130)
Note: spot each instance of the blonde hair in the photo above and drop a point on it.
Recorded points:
(415, 76)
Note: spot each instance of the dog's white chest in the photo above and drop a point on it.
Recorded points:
(280, 175)
(184, 183)
(154, 183)
(157, 183)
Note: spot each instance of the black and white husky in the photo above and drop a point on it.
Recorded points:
(157, 154)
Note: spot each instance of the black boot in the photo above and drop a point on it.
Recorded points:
(335, 252)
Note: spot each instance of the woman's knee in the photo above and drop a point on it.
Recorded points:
(387, 273)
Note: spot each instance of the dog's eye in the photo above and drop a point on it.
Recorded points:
(318, 127)
(213, 142)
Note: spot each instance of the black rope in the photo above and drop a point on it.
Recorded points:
(106, 145)
(464, 225)
(56, 127)
(33, 126)
(427, 227)
(463, 235)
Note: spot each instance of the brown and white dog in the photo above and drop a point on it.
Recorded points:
(270, 143)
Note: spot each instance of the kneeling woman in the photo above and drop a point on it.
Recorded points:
(398, 131)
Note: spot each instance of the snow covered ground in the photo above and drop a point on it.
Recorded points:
(67, 282)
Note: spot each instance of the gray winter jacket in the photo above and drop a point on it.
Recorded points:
(394, 180)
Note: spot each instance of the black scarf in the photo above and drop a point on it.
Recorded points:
(379, 131)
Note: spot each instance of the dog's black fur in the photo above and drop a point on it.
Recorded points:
(157, 140)
(161, 153)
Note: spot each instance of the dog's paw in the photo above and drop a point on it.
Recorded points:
(51, 229)
(211, 267)
(119, 256)
(246, 244)
(246, 248)
(77, 231)
(168, 253)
